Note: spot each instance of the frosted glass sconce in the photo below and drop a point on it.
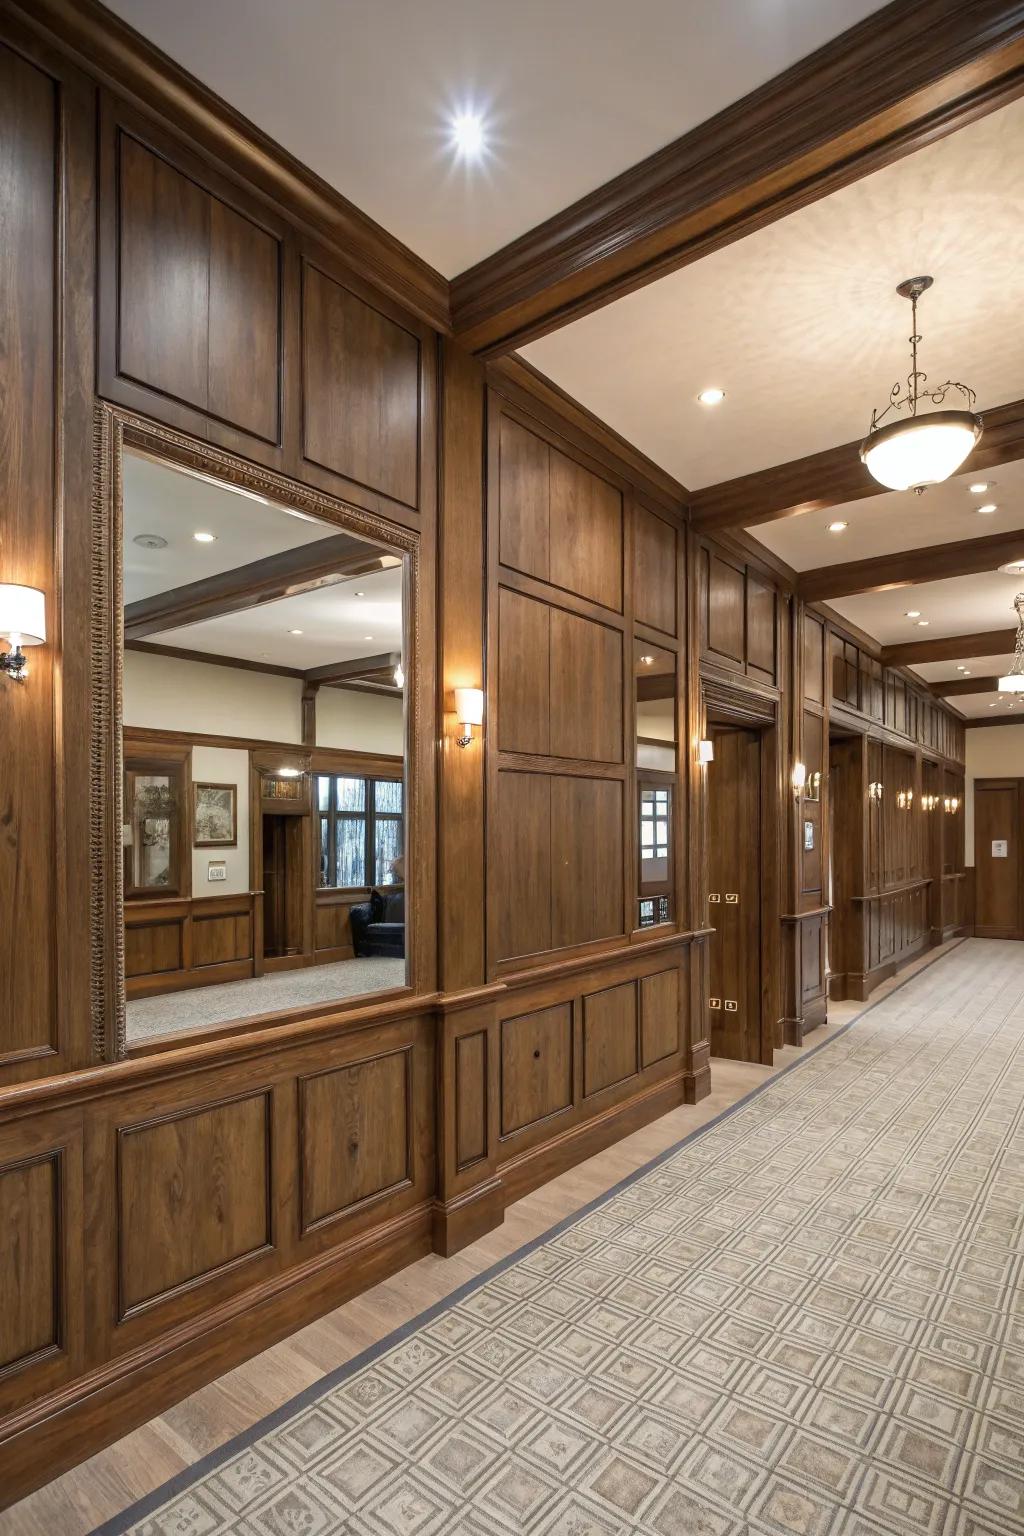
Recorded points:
(469, 711)
(22, 622)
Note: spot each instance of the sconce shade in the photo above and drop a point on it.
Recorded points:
(799, 775)
(705, 751)
(469, 706)
(22, 614)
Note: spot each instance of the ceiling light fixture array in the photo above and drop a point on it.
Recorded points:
(917, 451)
(1013, 681)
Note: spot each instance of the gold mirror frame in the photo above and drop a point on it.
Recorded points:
(113, 431)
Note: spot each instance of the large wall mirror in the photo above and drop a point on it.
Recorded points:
(263, 767)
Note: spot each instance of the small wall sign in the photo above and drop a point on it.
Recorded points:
(808, 834)
(216, 869)
(1000, 849)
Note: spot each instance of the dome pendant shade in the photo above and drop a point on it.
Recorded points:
(922, 451)
(916, 451)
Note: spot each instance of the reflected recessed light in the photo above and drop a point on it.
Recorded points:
(837, 527)
(965, 672)
(205, 538)
(990, 506)
(359, 594)
(468, 135)
(367, 637)
(979, 487)
(150, 541)
(922, 623)
(648, 661)
(1013, 568)
(912, 613)
(712, 396)
(295, 631)
(961, 669)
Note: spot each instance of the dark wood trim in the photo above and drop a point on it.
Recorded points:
(991, 642)
(113, 52)
(359, 666)
(905, 76)
(981, 725)
(321, 758)
(909, 567)
(179, 653)
(832, 478)
(305, 568)
(528, 388)
(958, 685)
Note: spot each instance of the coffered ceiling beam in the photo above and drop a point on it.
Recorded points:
(956, 686)
(832, 478)
(905, 76)
(910, 567)
(373, 668)
(293, 571)
(991, 642)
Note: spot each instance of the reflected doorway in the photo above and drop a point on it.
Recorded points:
(734, 874)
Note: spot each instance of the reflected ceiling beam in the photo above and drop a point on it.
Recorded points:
(659, 686)
(834, 477)
(962, 685)
(371, 668)
(911, 73)
(910, 567)
(287, 574)
(989, 642)
(211, 659)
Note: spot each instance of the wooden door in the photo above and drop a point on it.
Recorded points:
(734, 887)
(998, 859)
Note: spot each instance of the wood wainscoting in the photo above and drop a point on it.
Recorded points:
(175, 942)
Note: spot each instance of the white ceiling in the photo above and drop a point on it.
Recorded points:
(977, 666)
(800, 323)
(898, 520)
(958, 605)
(982, 706)
(575, 91)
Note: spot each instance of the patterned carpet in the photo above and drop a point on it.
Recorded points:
(807, 1318)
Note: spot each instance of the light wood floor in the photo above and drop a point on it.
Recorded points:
(101, 1487)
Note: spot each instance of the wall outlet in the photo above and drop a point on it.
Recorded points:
(216, 869)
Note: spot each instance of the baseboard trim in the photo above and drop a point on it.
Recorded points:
(459, 1222)
(61, 1429)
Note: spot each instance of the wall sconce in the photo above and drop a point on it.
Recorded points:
(875, 789)
(705, 751)
(951, 804)
(929, 802)
(799, 778)
(469, 711)
(905, 799)
(22, 622)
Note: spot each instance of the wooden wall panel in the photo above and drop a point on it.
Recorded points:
(611, 1048)
(522, 852)
(585, 696)
(360, 390)
(471, 1096)
(29, 106)
(198, 304)
(193, 1196)
(216, 939)
(150, 949)
(355, 1124)
(585, 532)
(586, 860)
(813, 659)
(811, 866)
(761, 601)
(29, 1259)
(524, 499)
(524, 673)
(655, 564)
(726, 603)
(660, 1020)
(536, 1066)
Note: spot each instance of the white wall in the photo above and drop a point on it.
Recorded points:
(223, 765)
(362, 722)
(656, 718)
(995, 753)
(167, 693)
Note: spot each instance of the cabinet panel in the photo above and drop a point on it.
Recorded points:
(659, 1016)
(586, 860)
(355, 1124)
(29, 1260)
(536, 1066)
(610, 1046)
(360, 390)
(654, 571)
(193, 1196)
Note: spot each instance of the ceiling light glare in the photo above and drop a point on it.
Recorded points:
(912, 613)
(468, 135)
(295, 631)
(205, 538)
(978, 488)
(713, 396)
(837, 527)
(922, 623)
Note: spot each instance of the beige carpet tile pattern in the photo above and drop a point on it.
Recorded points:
(805, 1320)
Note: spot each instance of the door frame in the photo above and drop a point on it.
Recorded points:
(1001, 781)
(726, 704)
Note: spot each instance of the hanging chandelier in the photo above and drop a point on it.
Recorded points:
(1013, 682)
(916, 451)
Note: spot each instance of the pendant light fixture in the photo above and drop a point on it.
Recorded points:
(1013, 682)
(916, 451)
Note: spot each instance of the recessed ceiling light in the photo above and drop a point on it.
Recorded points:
(837, 527)
(990, 506)
(922, 623)
(367, 637)
(713, 396)
(468, 135)
(965, 672)
(359, 594)
(295, 631)
(961, 669)
(912, 613)
(205, 538)
(150, 541)
(979, 487)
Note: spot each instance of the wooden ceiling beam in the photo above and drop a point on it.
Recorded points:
(832, 478)
(910, 567)
(905, 76)
(370, 667)
(305, 569)
(990, 642)
(956, 686)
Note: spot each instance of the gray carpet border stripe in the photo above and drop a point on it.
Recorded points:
(119, 1525)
